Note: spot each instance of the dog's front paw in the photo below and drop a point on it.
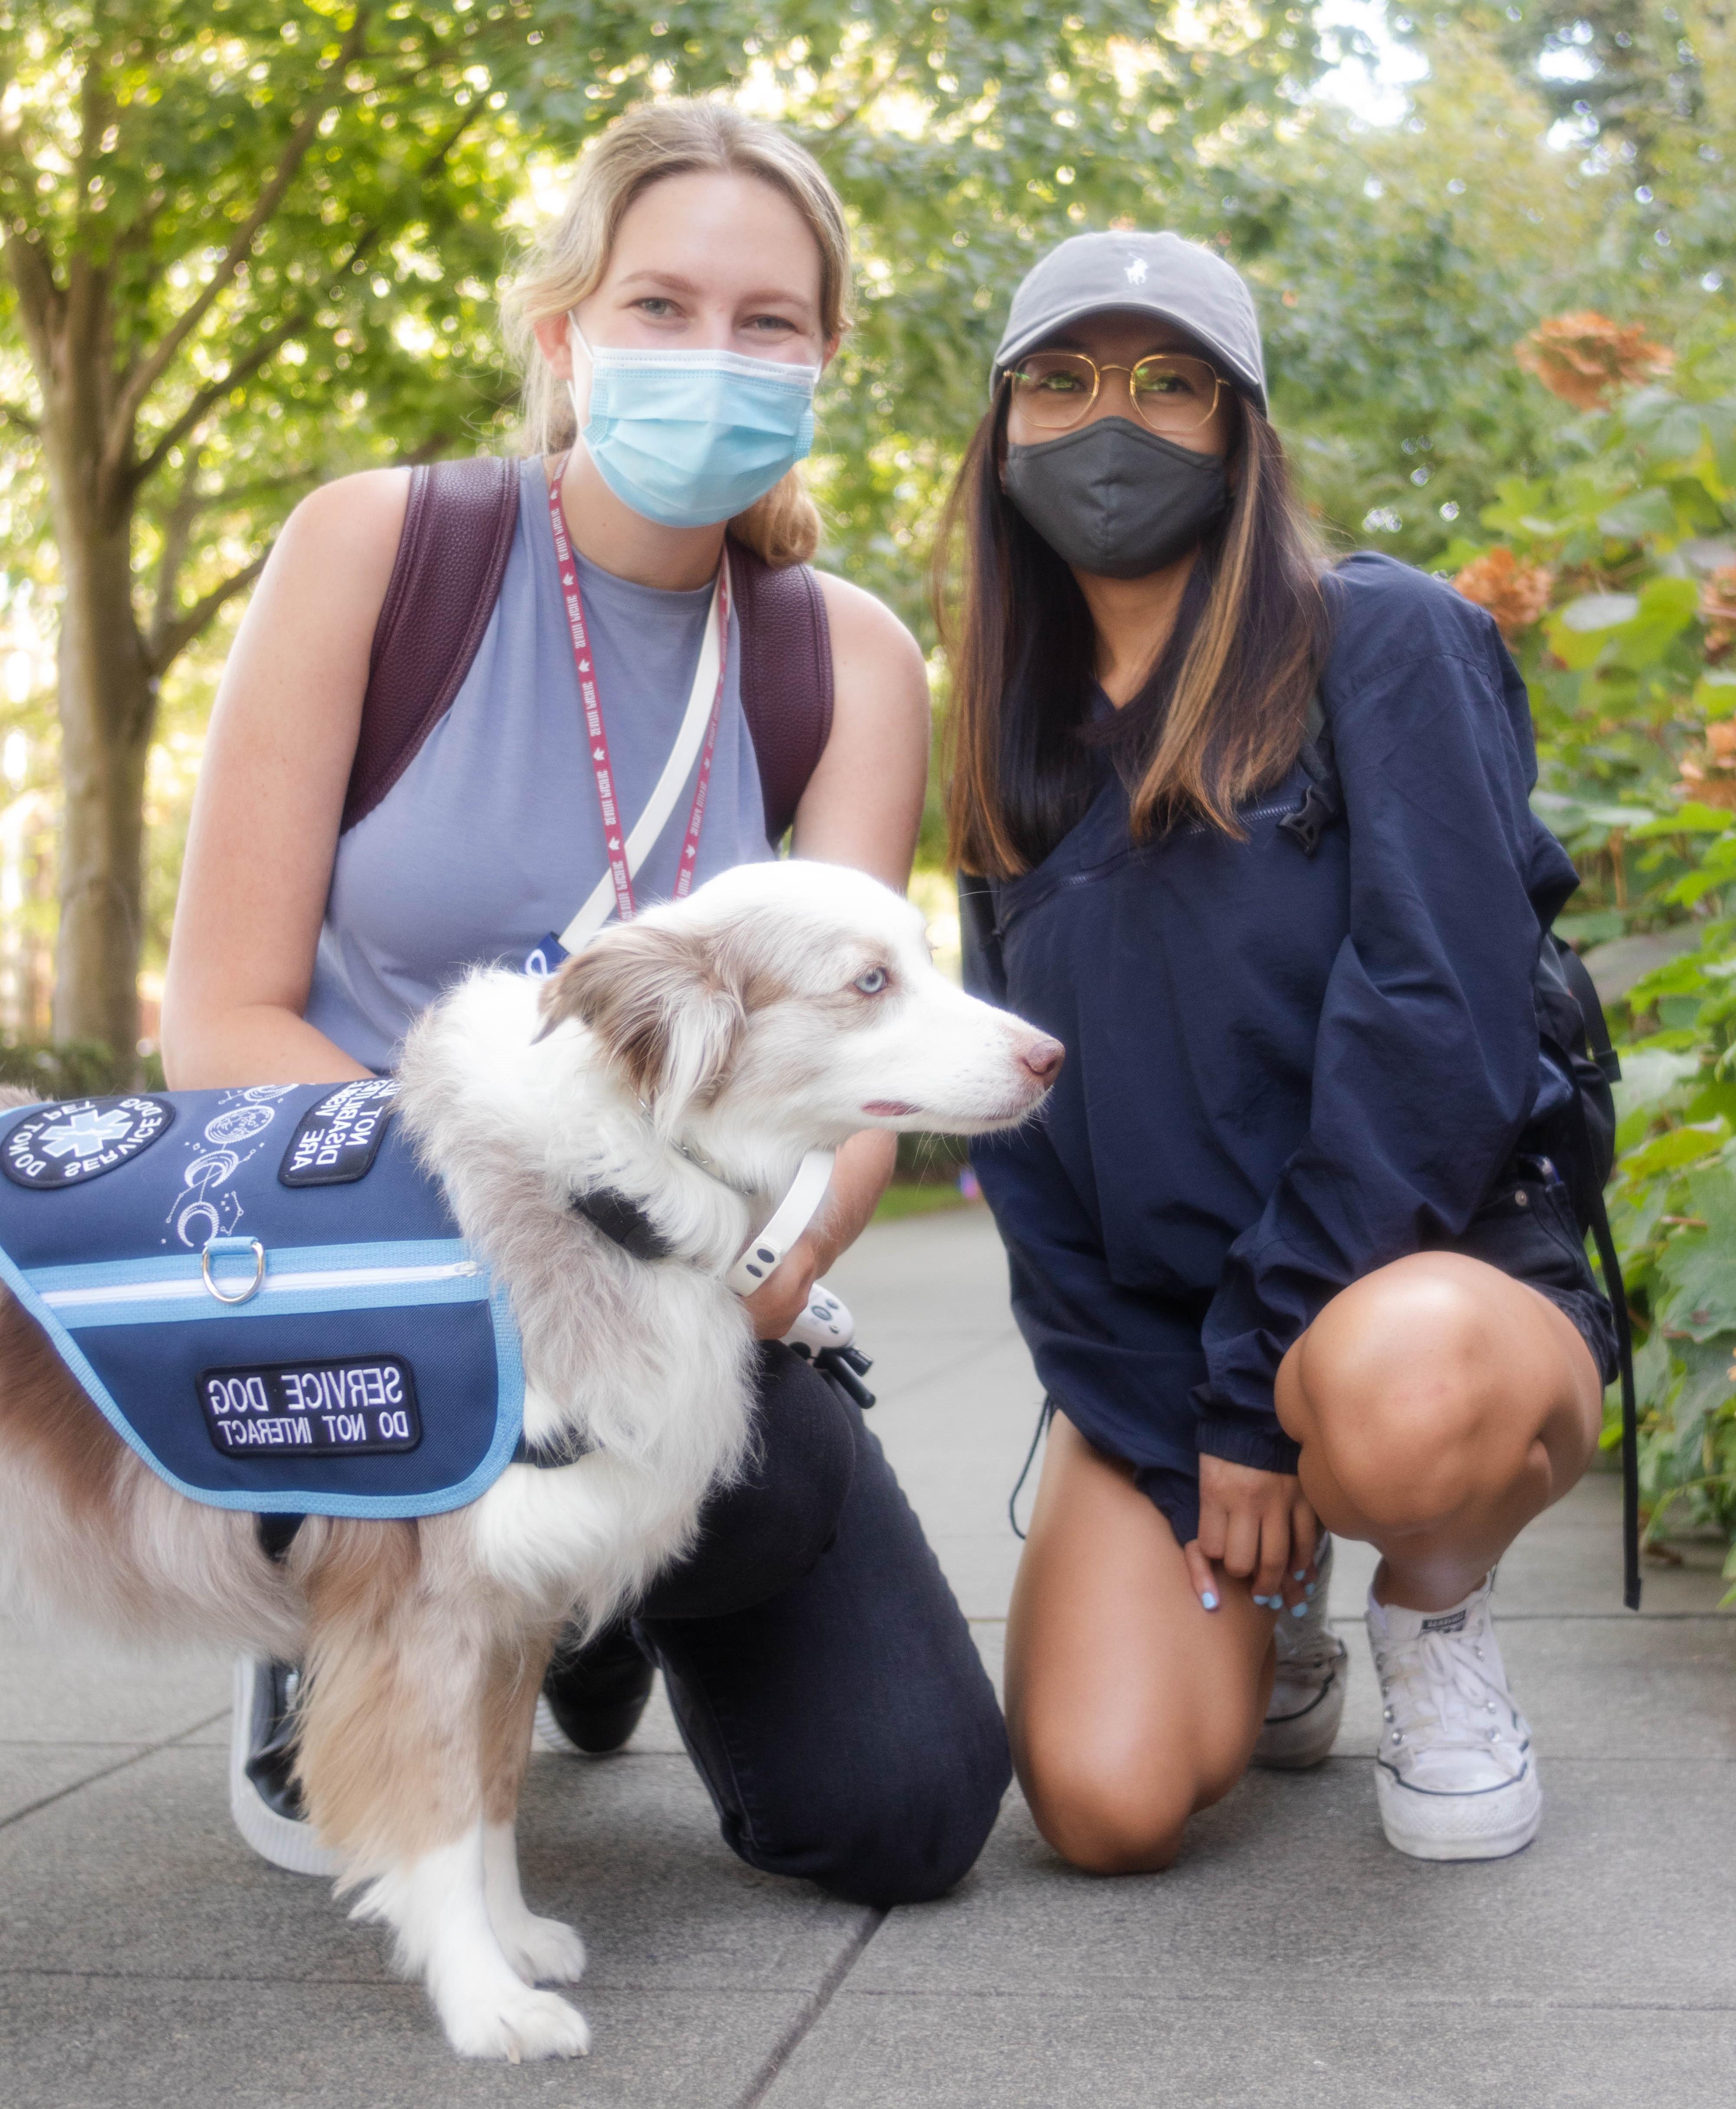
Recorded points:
(519, 2026)
(543, 1951)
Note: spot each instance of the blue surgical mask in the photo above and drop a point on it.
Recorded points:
(689, 438)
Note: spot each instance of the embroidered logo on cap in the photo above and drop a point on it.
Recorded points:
(1136, 271)
(355, 1408)
(79, 1139)
(339, 1139)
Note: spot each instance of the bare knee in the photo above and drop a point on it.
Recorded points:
(1123, 1816)
(1108, 1825)
(1400, 1387)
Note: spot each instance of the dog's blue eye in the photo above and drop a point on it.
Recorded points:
(873, 982)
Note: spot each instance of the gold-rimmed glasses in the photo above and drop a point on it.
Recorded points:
(1172, 393)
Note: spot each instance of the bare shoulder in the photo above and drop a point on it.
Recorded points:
(876, 663)
(862, 623)
(355, 520)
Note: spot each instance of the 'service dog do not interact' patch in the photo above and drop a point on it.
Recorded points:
(338, 1139)
(337, 1409)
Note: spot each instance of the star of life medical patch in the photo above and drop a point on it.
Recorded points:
(355, 1408)
(337, 1140)
(75, 1140)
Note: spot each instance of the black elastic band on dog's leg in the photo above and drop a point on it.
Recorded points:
(276, 1534)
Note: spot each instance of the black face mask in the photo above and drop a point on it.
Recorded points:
(1116, 500)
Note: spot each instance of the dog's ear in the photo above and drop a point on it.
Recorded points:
(662, 1005)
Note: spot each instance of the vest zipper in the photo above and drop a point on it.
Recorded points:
(309, 1283)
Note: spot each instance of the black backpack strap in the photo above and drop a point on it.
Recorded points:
(457, 534)
(1617, 1290)
(786, 677)
(1322, 803)
(1584, 989)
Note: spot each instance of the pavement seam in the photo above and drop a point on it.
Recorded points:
(108, 1772)
(1104, 1994)
(785, 2049)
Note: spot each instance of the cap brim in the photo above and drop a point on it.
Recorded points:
(1010, 351)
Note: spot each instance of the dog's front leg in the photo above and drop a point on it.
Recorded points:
(392, 1763)
(543, 1950)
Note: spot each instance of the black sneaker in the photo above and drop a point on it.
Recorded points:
(264, 1797)
(593, 1697)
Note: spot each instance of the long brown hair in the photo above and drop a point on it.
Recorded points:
(1220, 717)
(567, 262)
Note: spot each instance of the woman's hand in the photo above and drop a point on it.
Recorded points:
(859, 1177)
(780, 1299)
(1257, 1526)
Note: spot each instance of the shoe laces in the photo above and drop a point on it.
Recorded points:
(1440, 1691)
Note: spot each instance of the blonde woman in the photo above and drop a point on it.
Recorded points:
(673, 324)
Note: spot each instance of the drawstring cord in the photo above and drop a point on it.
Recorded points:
(1046, 1413)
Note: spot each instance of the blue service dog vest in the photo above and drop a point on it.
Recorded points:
(264, 1295)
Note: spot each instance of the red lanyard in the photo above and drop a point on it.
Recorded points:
(613, 834)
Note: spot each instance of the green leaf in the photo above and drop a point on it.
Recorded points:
(1648, 1076)
(1715, 692)
(1598, 611)
(1639, 515)
(1696, 1264)
(1678, 1146)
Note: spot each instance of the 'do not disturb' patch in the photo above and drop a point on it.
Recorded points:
(77, 1140)
(339, 1138)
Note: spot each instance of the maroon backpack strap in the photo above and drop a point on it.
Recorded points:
(458, 533)
(786, 677)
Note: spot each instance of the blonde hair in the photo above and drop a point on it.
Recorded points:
(567, 264)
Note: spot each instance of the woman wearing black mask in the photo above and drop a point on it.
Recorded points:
(1251, 834)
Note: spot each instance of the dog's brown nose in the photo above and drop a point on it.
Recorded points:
(1043, 1057)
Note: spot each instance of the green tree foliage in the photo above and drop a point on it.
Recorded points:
(244, 244)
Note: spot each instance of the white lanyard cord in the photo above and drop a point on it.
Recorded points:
(697, 736)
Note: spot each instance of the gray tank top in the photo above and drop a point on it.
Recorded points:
(492, 837)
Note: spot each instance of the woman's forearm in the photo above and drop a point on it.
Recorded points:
(861, 1175)
(253, 1044)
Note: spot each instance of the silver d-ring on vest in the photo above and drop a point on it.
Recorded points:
(223, 1246)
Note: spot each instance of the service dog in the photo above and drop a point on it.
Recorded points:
(686, 1061)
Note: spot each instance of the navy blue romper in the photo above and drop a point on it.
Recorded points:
(1286, 1070)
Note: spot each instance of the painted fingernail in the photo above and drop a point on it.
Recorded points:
(1301, 1574)
(1209, 1601)
(1311, 1589)
(1298, 1611)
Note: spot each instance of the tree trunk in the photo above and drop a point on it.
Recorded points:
(107, 711)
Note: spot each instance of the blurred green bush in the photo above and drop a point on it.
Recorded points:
(1614, 576)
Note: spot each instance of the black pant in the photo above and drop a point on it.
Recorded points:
(823, 1676)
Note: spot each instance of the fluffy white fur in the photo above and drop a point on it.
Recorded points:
(688, 1060)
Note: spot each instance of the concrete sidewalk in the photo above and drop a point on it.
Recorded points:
(147, 1959)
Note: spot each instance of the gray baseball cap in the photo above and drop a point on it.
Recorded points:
(1160, 273)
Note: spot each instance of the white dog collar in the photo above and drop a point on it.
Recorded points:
(790, 1219)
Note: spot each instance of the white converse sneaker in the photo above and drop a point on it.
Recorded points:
(1307, 1694)
(1454, 1774)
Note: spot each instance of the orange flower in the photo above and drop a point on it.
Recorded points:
(1709, 772)
(1514, 594)
(1583, 357)
(1718, 611)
